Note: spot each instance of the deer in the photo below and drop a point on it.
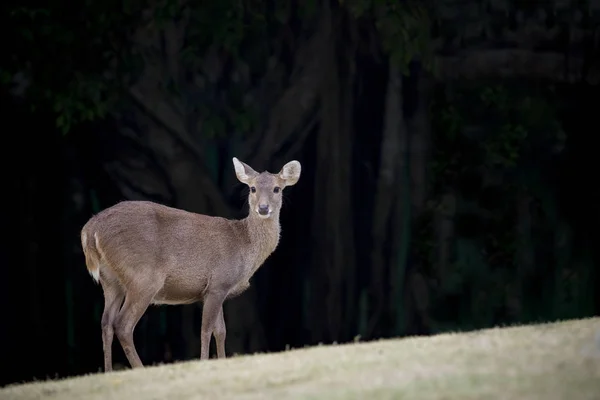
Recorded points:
(144, 253)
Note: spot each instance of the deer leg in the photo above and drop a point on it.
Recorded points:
(113, 298)
(213, 304)
(135, 305)
(220, 333)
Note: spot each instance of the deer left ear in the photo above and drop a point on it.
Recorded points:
(290, 173)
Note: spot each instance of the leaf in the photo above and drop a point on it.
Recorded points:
(5, 77)
(58, 106)
(27, 34)
(282, 12)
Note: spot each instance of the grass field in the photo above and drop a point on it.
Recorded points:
(549, 361)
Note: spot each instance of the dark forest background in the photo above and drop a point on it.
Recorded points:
(449, 173)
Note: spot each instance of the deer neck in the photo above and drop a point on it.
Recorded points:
(264, 236)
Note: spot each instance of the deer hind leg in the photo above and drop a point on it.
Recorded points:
(113, 298)
(137, 300)
(220, 332)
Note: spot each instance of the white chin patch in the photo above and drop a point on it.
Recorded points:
(264, 216)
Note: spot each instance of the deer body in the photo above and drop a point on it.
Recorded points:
(145, 253)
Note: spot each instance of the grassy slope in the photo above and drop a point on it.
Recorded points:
(549, 361)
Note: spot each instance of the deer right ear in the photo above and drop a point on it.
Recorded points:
(243, 171)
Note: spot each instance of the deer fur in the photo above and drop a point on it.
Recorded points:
(145, 253)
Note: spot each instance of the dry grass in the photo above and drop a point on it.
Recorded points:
(549, 361)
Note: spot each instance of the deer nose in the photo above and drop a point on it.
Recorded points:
(263, 209)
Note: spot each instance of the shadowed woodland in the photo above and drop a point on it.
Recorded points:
(447, 164)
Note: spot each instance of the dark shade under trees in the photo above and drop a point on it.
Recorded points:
(448, 166)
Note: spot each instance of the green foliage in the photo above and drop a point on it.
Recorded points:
(503, 149)
(517, 115)
(213, 126)
(245, 121)
(491, 144)
(83, 100)
(404, 28)
(72, 62)
(508, 124)
(307, 9)
(78, 63)
(221, 23)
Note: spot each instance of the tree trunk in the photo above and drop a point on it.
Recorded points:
(414, 185)
(391, 182)
(444, 228)
(524, 256)
(347, 72)
(419, 127)
(333, 235)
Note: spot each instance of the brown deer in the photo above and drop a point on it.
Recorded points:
(145, 253)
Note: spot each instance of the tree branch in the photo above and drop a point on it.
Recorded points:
(180, 135)
(287, 152)
(131, 190)
(174, 38)
(140, 147)
(299, 99)
(514, 63)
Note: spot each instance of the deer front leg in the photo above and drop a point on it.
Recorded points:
(213, 306)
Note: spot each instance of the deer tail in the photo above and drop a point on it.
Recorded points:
(92, 256)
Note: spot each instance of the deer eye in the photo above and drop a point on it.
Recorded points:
(253, 189)
(276, 189)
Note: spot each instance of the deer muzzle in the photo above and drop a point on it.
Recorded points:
(263, 210)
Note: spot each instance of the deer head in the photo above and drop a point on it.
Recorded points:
(264, 198)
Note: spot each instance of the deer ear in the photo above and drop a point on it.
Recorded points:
(290, 173)
(243, 171)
